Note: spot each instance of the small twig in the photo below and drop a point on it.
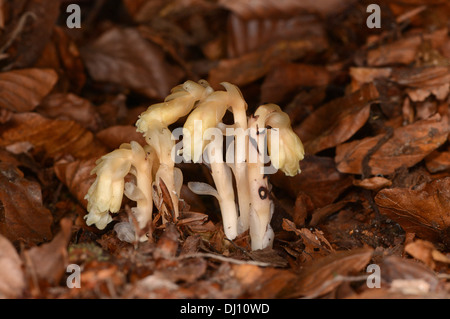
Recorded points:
(17, 30)
(223, 258)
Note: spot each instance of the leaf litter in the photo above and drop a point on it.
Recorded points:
(370, 105)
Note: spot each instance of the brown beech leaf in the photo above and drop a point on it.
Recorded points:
(424, 210)
(124, 57)
(23, 217)
(49, 260)
(277, 8)
(336, 121)
(373, 183)
(422, 76)
(254, 65)
(244, 36)
(12, 279)
(286, 77)
(51, 136)
(317, 276)
(38, 18)
(438, 161)
(114, 136)
(423, 251)
(23, 90)
(408, 146)
(318, 173)
(405, 50)
(68, 106)
(76, 176)
(62, 54)
(261, 283)
(395, 268)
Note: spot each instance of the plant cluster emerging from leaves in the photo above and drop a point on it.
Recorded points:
(156, 176)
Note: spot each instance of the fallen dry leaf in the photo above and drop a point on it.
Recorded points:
(22, 90)
(373, 183)
(122, 56)
(114, 136)
(423, 210)
(76, 176)
(70, 107)
(423, 251)
(51, 136)
(12, 279)
(316, 278)
(336, 121)
(287, 77)
(24, 218)
(49, 261)
(408, 146)
(318, 173)
(277, 8)
(252, 66)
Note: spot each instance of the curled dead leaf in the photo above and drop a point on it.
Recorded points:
(424, 210)
(22, 90)
(12, 279)
(22, 216)
(336, 121)
(51, 136)
(408, 146)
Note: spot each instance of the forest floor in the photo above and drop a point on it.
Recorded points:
(369, 215)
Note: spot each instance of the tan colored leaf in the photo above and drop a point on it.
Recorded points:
(12, 279)
(373, 183)
(68, 106)
(317, 277)
(114, 136)
(23, 90)
(124, 57)
(22, 216)
(53, 137)
(49, 260)
(423, 251)
(276, 8)
(336, 121)
(408, 146)
(424, 210)
(76, 176)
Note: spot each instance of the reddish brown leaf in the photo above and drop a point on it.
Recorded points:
(373, 183)
(53, 137)
(22, 216)
(438, 161)
(12, 280)
(245, 36)
(254, 65)
(277, 8)
(122, 56)
(318, 173)
(34, 19)
(423, 210)
(23, 90)
(261, 283)
(76, 176)
(70, 107)
(317, 276)
(114, 136)
(408, 146)
(286, 77)
(49, 260)
(336, 121)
